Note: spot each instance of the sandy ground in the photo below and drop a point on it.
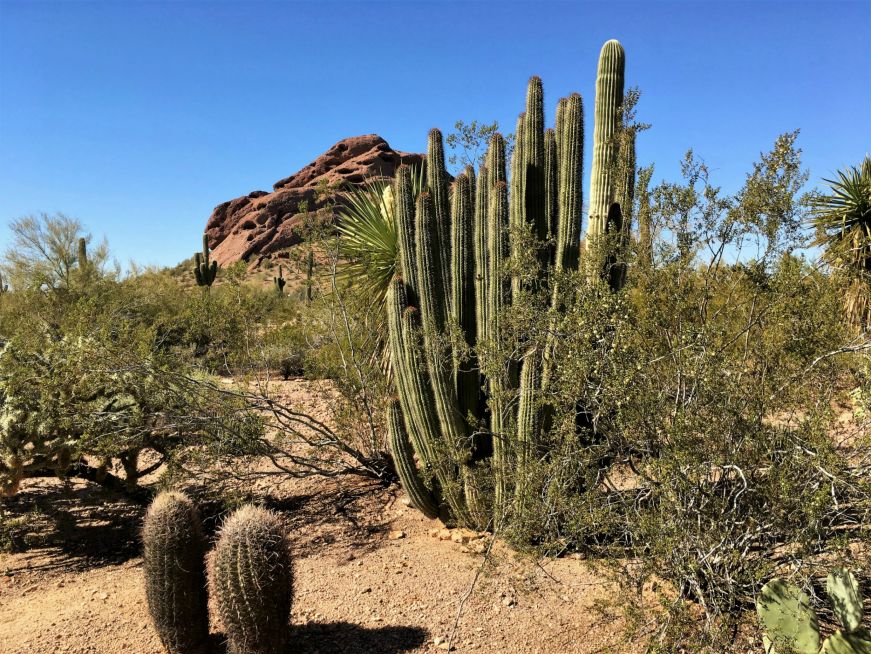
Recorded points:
(371, 575)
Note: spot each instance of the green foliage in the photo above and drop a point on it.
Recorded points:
(253, 581)
(175, 578)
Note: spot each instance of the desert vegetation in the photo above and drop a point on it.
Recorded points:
(669, 382)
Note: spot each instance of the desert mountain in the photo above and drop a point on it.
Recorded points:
(263, 223)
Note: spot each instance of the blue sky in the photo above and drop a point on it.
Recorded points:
(139, 117)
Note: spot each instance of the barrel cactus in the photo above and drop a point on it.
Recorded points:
(791, 625)
(175, 580)
(463, 252)
(253, 581)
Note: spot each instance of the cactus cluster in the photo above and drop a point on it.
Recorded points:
(791, 625)
(455, 245)
(205, 271)
(175, 580)
(251, 580)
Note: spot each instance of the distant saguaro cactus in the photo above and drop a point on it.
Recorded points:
(253, 582)
(175, 580)
(205, 271)
(279, 281)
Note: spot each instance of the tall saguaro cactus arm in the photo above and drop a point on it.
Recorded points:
(609, 101)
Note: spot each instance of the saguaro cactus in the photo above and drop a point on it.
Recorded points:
(458, 276)
(253, 582)
(609, 100)
(205, 270)
(279, 282)
(175, 579)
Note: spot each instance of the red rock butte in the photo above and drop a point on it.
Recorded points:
(262, 224)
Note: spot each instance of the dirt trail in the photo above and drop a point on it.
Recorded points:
(371, 575)
(359, 588)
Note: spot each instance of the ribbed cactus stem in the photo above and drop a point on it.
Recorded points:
(645, 239)
(253, 582)
(516, 195)
(609, 101)
(174, 570)
(551, 192)
(438, 186)
(403, 197)
(533, 165)
(570, 150)
(482, 196)
(527, 421)
(498, 298)
(453, 427)
(403, 459)
(615, 267)
(463, 291)
(495, 159)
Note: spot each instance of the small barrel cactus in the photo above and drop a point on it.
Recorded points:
(791, 625)
(175, 578)
(253, 582)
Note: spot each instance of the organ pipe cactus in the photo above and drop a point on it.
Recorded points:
(609, 98)
(175, 579)
(205, 270)
(791, 624)
(253, 582)
(470, 412)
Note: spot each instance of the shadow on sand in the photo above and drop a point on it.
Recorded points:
(344, 638)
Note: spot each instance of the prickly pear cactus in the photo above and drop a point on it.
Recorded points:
(843, 591)
(788, 619)
(253, 582)
(175, 580)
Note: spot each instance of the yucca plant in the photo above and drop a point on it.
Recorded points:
(367, 242)
(842, 219)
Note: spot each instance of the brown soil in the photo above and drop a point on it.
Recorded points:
(371, 575)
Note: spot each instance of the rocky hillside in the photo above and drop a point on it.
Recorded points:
(261, 223)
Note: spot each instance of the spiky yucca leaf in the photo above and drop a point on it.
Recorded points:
(843, 222)
(367, 230)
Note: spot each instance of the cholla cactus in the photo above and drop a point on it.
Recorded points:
(253, 581)
(175, 581)
(791, 624)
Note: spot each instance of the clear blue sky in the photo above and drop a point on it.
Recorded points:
(139, 117)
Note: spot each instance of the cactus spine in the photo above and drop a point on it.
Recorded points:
(461, 269)
(253, 582)
(609, 100)
(279, 282)
(205, 270)
(175, 580)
